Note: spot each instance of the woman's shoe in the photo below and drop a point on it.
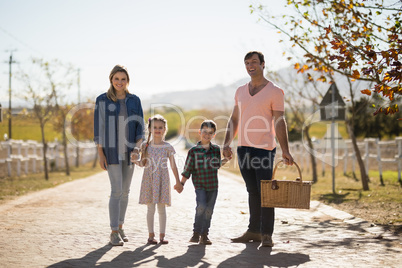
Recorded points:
(123, 235)
(115, 239)
(152, 241)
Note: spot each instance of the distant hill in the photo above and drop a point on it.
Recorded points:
(221, 96)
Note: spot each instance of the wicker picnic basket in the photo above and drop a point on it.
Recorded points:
(285, 194)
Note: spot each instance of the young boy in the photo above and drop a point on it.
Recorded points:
(203, 162)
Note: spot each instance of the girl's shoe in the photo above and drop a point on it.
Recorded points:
(163, 242)
(152, 241)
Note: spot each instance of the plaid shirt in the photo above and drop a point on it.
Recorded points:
(203, 165)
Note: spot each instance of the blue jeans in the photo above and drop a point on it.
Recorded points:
(256, 165)
(120, 176)
(203, 212)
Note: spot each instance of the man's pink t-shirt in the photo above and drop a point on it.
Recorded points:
(256, 126)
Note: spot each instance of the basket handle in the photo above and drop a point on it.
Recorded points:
(298, 168)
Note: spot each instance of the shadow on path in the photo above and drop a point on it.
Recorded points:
(254, 257)
(134, 258)
(88, 260)
(191, 258)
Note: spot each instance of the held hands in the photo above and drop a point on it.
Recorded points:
(227, 152)
(179, 187)
(135, 157)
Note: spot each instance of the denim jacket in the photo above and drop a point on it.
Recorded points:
(105, 125)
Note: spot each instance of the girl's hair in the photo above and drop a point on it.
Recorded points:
(111, 93)
(156, 117)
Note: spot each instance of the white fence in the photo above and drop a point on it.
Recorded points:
(376, 154)
(19, 157)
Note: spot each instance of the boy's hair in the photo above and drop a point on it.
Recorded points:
(208, 123)
(251, 53)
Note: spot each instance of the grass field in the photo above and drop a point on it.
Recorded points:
(26, 127)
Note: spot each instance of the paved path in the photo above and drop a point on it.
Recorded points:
(68, 226)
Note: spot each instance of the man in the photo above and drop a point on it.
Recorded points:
(257, 117)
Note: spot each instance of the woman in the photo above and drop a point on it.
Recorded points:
(118, 133)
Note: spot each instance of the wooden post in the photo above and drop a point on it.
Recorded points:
(377, 141)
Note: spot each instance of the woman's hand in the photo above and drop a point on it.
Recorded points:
(102, 162)
(135, 156)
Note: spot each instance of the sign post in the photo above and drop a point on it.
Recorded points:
(332, 107)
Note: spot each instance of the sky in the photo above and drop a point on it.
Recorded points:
(166, 45)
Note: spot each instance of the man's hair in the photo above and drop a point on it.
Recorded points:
(208, 123)
(251, 53)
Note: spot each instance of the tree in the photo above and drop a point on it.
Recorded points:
(82, 123)
(345, 32)
(60, 78)
(351, 38)
(59, 125)
(45, 83)
(42, 95)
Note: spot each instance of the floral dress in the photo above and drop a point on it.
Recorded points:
(155, 185)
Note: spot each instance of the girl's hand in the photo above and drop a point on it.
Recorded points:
(179, 187)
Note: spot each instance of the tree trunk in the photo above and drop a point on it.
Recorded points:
(77, 153)
(42, 128)
(363, 173)
(65, 151)
(312, 157)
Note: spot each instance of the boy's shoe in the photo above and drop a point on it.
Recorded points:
(123, 235)
(115, 239)
(195, 238)
(267, 241)
(246, 237)
(205, 240)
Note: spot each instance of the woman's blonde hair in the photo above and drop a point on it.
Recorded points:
(111, 93)
(156, 117)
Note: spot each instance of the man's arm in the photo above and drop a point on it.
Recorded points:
(231, 131)
(282, 136)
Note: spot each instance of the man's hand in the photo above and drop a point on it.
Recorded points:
(227, 152)
(287, 158)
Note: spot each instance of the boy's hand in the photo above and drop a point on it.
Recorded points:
(178, 187)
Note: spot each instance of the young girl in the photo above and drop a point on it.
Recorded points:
(155, 185)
